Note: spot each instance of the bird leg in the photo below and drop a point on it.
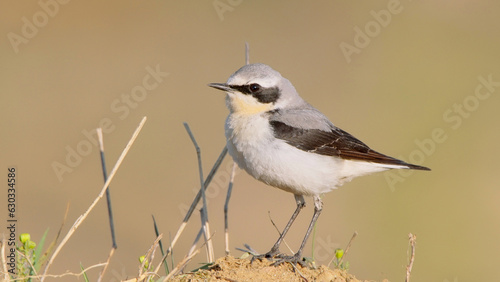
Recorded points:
(297, 257)
(275, 252)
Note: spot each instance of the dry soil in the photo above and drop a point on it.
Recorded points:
(237, 269)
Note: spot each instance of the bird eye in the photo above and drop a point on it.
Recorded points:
(254, 87)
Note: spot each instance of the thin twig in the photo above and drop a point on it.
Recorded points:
(181, 264)
(149, 255)
(249, 250)
(226, 208)
(197, 198)
(298, 271)
(41, 277)
(163, 260)
(279, 232)
(108, 196)
(411, 246)
(187, 258)
(346, 248)
(52, 244)
(145, 275)
(206, 232)
(233, 172)
(172, 253)
(204, 210)
(82, 217)
(101, 275)
(164, 257)
(247, 53)
(197, 238)
(152, 256)
(4, 262)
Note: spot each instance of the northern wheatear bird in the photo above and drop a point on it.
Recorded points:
(281, 140)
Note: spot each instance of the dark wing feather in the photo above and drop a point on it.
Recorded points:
(335, 142)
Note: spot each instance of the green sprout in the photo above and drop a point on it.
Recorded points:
(141, 260)
(30, 256)
(339, 254)
(25, 237)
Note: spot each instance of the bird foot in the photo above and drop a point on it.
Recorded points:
(295, 259)
(279, 258)
(271, 255)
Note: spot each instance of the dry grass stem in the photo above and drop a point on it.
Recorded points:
(181, 264)
(193, 249)
(4, 262)
(101, 275)
(149, 256)
(196, 200)
(193, 246)
(162, 261)
(298, 271)
(226, 208)
(74, 274)
(206, 231)
(108, 196)
(279, 232)
(42, 277)
(233, 172)
(247, 53)
(204, 210)
(52, 244)
(411, 245)
(346, 249)
(82, 217)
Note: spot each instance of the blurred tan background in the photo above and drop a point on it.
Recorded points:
(392, 82)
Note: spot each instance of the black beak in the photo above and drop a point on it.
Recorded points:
(220, 86)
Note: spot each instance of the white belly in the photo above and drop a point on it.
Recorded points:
(251, 143)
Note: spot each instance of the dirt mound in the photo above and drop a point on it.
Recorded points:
(236, 269)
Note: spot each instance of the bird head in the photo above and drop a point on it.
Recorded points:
(257, 88)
